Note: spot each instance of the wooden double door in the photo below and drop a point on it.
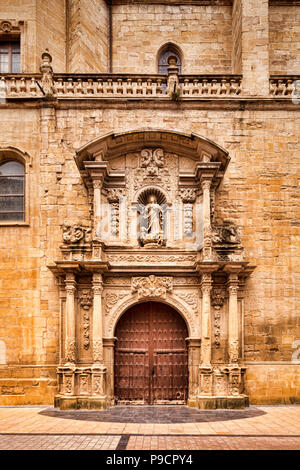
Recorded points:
(151, 361)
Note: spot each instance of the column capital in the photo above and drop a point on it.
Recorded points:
(206, 283)
(70, 282)
(98, 183)
(97, 283)
(206, 184)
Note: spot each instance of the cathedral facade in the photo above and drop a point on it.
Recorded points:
(149, 202)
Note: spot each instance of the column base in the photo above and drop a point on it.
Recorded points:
(81, 403)
(213, 403)
(192, 403)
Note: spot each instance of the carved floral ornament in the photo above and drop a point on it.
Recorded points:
(151, 286)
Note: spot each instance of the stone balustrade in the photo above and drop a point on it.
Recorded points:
(210, 85)
(144, 86)
(119, 86)
(285, 85)
(20, 85)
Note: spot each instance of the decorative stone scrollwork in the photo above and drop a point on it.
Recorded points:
(68, 384)
(152, 160)
(83, 384)
(70, 352)
(113, 196)
(151, 286)
(98, 350)
(190, 298)
(86, 301)
(234, 351)
(188, 195)
(217, 325)
(218, 298)
(75, 233)
(111, 300)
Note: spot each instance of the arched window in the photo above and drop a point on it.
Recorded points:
(12, 191)
(164, 54)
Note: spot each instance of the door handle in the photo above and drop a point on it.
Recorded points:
(153, 370)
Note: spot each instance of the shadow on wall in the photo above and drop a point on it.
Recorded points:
(154, 414)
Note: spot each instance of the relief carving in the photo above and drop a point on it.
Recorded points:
(152, 258)
(191, 299)
(151, 286)
(111, 300)
(70, 352)
(86, 301)
(218, 298)
(75, 233)
(152, 160)
(226, 233)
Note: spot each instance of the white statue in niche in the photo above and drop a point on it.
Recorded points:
(152, 223)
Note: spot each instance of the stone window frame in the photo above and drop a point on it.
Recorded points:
(14, 154)
(12, 31)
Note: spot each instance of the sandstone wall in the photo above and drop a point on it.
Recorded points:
(88, 36)
(284, 39)
(203, 33)
(44, 26)
(260, 193)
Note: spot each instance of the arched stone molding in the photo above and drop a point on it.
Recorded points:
(13, 153)
(191, 145)
(170, 300)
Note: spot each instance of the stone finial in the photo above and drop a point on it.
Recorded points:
(47, 74)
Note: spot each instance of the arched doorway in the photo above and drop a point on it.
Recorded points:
(151, 361)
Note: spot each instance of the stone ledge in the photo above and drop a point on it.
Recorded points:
(213, 403)
(78, 403)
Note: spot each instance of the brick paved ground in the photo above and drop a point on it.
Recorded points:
(58, 442)
(258, 427)
(213, 443)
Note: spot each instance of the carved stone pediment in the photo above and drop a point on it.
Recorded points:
(151, 286)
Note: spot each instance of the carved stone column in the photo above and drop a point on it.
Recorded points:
(97, 319)
(194, 345)
(98, 368)
(233, 319)
(70, 346)
(205, 367)
(97, 184)
(206, 286)
(207, 243)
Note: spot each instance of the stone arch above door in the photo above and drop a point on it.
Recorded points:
(172, 300)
